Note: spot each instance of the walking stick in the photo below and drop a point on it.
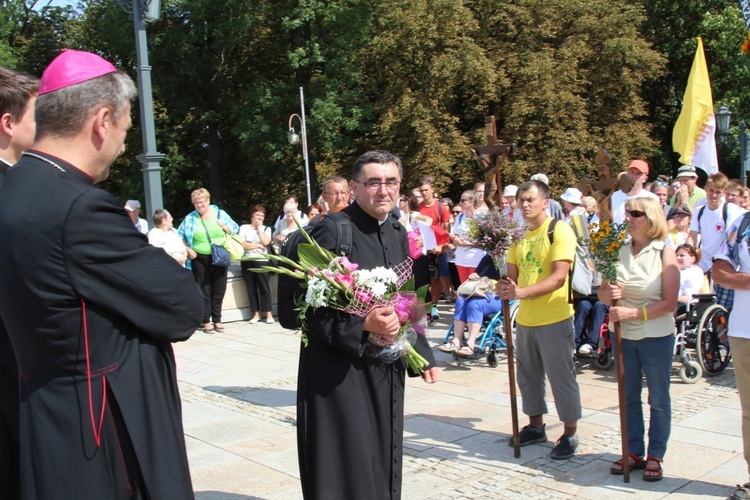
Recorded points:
(511, 377)
(621, 397)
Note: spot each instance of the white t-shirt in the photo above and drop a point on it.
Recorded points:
(691, 280)
(738, 324)
(712, 230)
(618, 200)
(142, 226)
(248, 233)
(169, 241)
(300, 215)
(466, 256)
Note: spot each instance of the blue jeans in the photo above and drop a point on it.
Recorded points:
(583, 309)
(651, 357)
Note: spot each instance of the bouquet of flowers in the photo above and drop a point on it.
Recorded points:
(495, 233)
(604, 242)
(333, 281)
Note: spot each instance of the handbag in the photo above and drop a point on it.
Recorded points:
(219, 255)
(475, 288)
(415, 246)
(233, 244)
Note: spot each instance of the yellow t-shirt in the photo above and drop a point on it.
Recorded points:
(533, 255)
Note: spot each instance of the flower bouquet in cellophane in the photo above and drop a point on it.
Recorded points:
(333, 281)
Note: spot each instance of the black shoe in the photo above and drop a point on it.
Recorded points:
(566, 447)
(530, 435)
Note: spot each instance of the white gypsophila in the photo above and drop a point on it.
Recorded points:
(317, 291)
(384, 275)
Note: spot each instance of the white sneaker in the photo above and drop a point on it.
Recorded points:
(585, 349)
(254, 320)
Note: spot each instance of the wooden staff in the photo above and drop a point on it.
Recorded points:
(511, 377)
(621, 397)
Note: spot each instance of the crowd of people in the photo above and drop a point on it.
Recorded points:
(98, 392)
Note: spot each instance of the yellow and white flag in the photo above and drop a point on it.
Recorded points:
(693, 134)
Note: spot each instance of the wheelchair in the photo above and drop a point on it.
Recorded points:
(491, 336)
(704, 327)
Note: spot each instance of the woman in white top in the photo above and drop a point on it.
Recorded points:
(165, 236)
(691, 276)
(255, 240)
(467, 255)
(646, 290)
(285, 226)
(681, 230)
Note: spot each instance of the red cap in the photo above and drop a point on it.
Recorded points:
(639, 165)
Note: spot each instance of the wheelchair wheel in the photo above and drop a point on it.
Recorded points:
(712, 344)
(492, 359)
(691, 373)
(605, 360)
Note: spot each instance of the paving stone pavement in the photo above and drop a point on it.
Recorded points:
(238, 395)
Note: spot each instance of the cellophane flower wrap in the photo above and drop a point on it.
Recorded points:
(334, 281)
(495, 233)
(604, 243)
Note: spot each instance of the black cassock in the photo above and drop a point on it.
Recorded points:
(350, 407)
(91, 310)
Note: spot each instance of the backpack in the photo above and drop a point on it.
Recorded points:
(581, 275)
(734, 247)
(290, 290)
(724, 215)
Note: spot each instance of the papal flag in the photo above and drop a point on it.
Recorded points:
(693, 134)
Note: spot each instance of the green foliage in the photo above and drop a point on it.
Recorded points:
(564, 78)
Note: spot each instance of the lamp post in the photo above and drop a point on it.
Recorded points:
(723, 117)
(144, 11)
(294, 138)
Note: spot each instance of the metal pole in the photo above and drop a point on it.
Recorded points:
(743, 153)
(304, 146)
(150, 158)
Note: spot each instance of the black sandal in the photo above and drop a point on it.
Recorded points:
(638, 463)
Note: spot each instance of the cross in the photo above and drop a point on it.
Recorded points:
(490, 158)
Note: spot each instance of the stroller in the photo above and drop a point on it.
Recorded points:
(491, 336)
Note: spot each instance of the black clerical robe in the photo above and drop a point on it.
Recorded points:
(91, 310)
(350, 407)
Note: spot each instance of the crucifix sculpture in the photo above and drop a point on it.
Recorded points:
(490, 158)
(603, 188)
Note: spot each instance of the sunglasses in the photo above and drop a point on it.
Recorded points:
(463, 200)
(636, 213)
(661, 183)
(456, 212)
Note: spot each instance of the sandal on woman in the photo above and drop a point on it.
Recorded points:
(638, 463)
(448, 347)
(655, 473)
(219, 327)
(465, 351)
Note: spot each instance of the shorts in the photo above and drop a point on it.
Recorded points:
(433, 265)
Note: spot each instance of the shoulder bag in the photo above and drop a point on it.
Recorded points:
(219, 255)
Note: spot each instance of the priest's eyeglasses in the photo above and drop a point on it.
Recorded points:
(373, 185)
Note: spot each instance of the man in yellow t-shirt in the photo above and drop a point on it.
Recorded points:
(538, 276)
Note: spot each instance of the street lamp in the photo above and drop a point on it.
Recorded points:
(294, 138)
(144, 11)
(723, 117)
